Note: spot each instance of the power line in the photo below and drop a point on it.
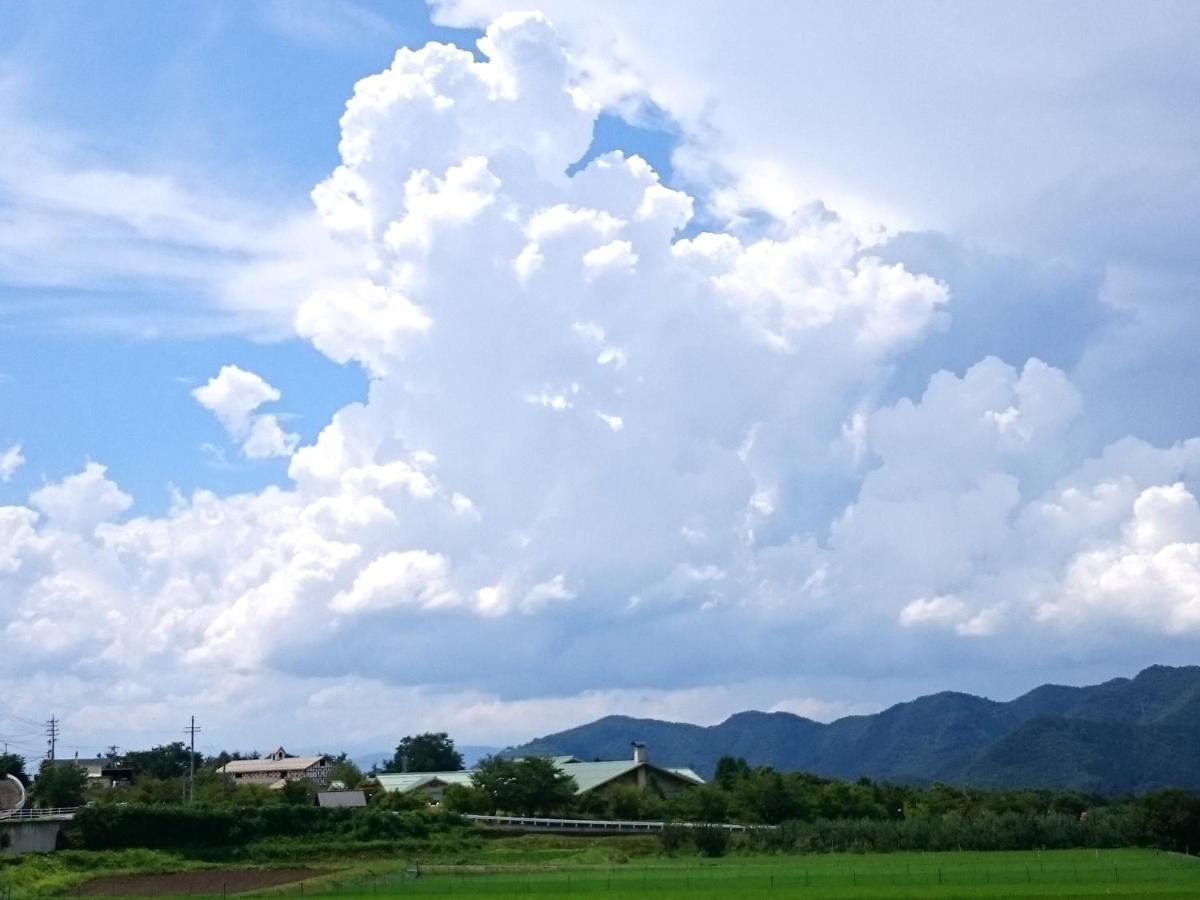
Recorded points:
(28, 722)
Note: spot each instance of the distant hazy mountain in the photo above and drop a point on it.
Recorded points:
(1123, 735)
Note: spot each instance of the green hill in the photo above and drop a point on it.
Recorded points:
(1123, 735)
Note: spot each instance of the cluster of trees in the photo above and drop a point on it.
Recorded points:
(13, 764)
(158, 776)
(429, 752)
(209, 828)
(813, 813)
(823, 814)
(519, 787)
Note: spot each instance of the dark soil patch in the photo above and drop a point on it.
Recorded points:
(205, 881)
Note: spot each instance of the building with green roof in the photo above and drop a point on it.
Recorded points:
(590, 777)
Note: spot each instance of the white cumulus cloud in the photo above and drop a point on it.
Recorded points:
(10, 460)
(584, 430)
(233, 395)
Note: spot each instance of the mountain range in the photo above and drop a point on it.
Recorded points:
(1125, 735)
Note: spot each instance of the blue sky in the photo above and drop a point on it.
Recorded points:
(805, 360)
(248, 97)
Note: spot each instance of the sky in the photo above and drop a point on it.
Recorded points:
(368, 369)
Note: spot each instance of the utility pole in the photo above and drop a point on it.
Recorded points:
(190, 731)
(52, 736)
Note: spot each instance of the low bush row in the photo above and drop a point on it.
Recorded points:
(186, 827)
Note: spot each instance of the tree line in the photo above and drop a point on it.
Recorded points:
(810, 812)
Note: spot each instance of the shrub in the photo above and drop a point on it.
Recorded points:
(672, 838)
(711, 840)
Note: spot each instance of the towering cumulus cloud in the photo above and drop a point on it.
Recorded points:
(597, 448)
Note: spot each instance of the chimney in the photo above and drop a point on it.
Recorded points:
(639, 752)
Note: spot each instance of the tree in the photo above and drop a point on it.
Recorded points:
(461, 798)
(166, 761)
(729, 770)
(400, 801)
(429, 752)
(12, 764)
(1172, 818)
(146, 789)
(59, 785)
(346, 771)
(525, 787)
(299, 792)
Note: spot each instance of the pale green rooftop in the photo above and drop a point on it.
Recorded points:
(403, 782)
(588, 775)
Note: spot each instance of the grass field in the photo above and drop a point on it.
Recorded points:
(544, 866)
(1111, 873)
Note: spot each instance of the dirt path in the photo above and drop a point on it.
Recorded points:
(206, 881)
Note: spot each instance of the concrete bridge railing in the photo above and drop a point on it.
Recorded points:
(55, 814)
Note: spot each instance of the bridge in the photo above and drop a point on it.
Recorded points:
(32, 830)
(55, 814)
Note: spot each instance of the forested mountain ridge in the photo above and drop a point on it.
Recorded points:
(1128, 734)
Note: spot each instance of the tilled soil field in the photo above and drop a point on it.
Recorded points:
(205, 882)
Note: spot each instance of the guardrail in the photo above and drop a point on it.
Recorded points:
(610, 826)
(27, 815)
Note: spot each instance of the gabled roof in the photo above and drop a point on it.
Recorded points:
(403, 782)
(290, 764)
(591, 775)
(588, 775)
(334, 799)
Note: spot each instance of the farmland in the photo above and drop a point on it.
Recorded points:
(548, 873)
(1073, 873)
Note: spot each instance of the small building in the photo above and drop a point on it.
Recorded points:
(102, 771)
(277, 768)
(637, 772)
(431, 784)
(342, 799)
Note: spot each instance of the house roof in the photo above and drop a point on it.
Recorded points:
(591, 775)
(403, 782)
(341, 798)
(96, 764)
(588, 775)
(290, 764)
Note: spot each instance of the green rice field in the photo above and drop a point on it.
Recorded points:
(1067, 873)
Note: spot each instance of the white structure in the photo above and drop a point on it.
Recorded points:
(12, 795)
(277, 768)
